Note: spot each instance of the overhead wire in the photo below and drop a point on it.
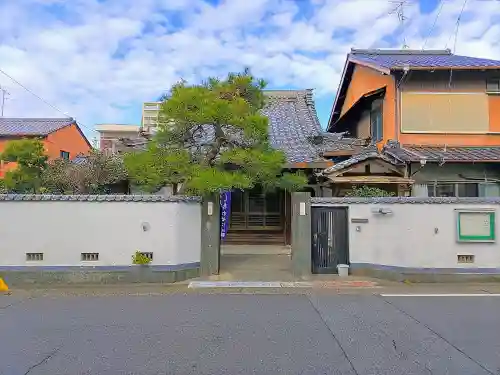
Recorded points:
(455, 34)
(434, 23)
(42, 99)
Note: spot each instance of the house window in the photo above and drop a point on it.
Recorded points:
(493, 86)
(453, 189)
(376, 122)
(65, 155)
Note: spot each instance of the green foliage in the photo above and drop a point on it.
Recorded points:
(3, 188)
(157, 167)
(29, 154)
(368, 192)
(91, 176)
(140, 258)
(212, 137)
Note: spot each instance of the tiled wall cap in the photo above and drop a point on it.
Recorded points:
(97, 198)
(405, 200)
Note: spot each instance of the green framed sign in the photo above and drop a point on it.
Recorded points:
(475, 225)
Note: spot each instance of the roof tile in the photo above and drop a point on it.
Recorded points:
(32, 126)
(415, 153)
(357, 159)
(294, 128)
(320, 201)
(98, 198)
(398, 59)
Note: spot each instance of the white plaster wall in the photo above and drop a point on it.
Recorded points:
(407, 237)
(64, 230)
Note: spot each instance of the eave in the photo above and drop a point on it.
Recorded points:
(371, 179)
(346, 77)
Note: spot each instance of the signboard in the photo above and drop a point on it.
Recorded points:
(225, 209)
(475, 225)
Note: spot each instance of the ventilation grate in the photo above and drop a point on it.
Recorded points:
(465, 258)
(34, 257)
(148, 255)
(90, 257)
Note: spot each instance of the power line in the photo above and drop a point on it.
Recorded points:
(39, 98)
(459, 18)
(434, 24)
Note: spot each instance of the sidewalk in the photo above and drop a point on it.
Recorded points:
(353, 287)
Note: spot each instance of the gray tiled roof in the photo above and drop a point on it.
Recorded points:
(357, 159)
(415, 153)
(294, 128)
(32, 126)
(403, 200)
(398, 59)
(293, 122)
(98, 198)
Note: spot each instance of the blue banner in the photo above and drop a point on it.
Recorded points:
(225, 209)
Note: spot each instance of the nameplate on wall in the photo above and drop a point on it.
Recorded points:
(359, 220)
(475, 225)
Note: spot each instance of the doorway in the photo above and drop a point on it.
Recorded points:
(255, 247)
(330, 239)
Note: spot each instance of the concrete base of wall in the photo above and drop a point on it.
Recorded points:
(426, 275)
(88, 275)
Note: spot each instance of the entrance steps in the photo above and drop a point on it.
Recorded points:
(241, 237)
(255, 250)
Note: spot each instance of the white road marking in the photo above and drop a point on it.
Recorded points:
(441, 295)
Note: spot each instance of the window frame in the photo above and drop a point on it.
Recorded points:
(432, 186)
(62, 153)
(376, 112)
(495, 81)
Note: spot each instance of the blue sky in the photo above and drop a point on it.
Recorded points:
(98, 60)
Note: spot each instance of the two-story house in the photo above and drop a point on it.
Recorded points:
(62, 137)
(434, 117)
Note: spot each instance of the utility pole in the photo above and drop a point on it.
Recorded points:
(4, 93)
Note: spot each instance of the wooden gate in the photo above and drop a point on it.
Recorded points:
(330, 238)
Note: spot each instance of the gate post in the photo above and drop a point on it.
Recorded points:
(301, 233)
(210, 236)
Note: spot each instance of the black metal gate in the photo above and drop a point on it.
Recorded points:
(330, 238)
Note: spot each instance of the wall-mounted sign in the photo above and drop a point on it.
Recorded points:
(302, 208)
(475, 225)
(225, 209)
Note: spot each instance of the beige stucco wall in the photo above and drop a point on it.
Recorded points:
(415, 236)
(444, 112)
(444, 102)
(63, 230)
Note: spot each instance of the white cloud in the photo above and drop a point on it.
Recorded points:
(99, 60)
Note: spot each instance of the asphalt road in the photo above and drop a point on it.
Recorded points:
(250, 334)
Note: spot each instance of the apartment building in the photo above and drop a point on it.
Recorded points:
(150, 111)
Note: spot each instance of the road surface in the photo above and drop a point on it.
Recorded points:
(249, 334)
